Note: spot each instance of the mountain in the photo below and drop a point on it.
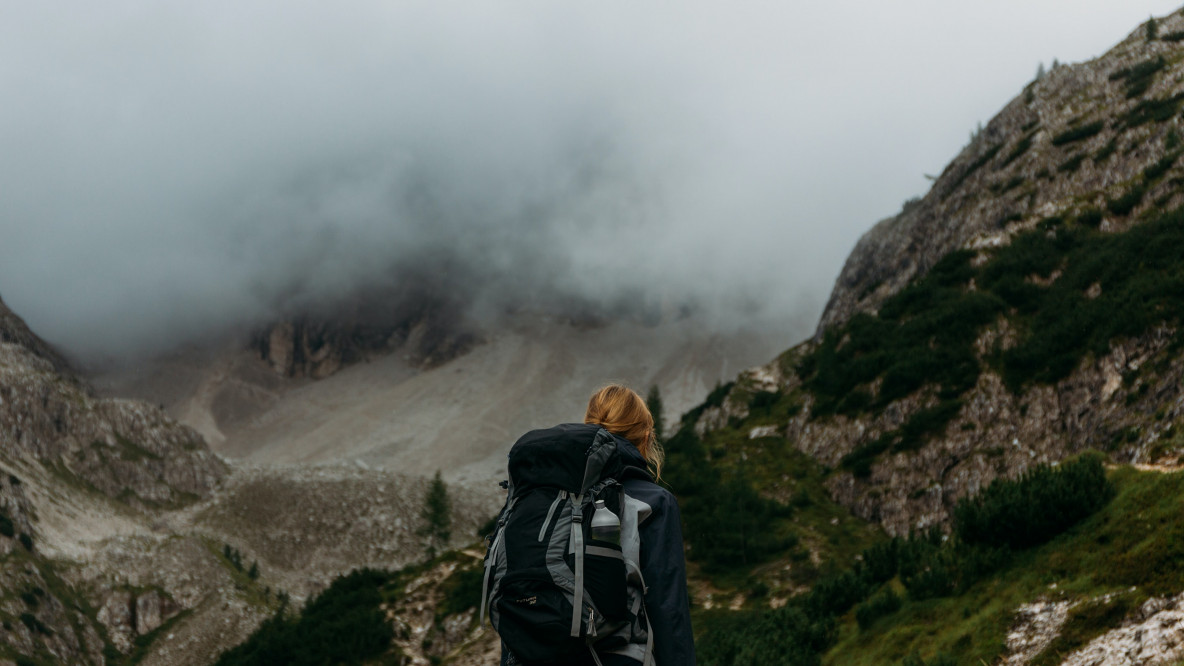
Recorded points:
(995, 383)
(1023, 310)
(124, 539)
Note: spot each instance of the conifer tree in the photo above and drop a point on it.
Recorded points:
(253, 572)
(654, 401)
(437, 515)
(1152, 29)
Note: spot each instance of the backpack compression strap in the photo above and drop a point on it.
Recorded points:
(577, 544)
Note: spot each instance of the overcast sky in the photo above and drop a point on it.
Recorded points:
(170, 169)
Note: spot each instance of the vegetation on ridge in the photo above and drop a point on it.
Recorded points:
(1066, 289)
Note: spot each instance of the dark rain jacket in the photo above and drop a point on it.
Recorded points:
(663, 568)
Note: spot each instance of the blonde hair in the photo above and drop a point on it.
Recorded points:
(622, 412)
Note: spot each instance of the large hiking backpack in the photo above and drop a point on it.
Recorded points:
(553, 593)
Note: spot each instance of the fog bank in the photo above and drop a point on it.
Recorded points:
(174, 171)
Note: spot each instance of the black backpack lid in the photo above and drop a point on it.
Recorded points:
(558, 457)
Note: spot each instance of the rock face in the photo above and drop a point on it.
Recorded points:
(74, 467)
(1019, 169)
(427, 327)
(13, 330)
(124, 449)
(41, 616)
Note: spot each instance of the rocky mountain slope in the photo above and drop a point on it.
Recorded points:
(1023, 310)
(124, 539)
(1027, 309)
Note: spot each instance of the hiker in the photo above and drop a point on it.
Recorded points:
(586, 566)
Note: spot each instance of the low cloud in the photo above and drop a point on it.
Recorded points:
(182, 170)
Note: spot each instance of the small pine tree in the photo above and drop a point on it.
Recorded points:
(1040, 71)
(437, 516)
(253, 572)
(1152, 29)
(654, 401)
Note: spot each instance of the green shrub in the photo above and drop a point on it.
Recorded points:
(1127, 202)
(835, 594)
(1019, 150)
(940, 659)
(784, 637)
(1078, 133)
(461, 591)
(884, 603)
(922, 335)
(1106, 151)
(1138, 79)
(343, 624)
(727, 521)
(880, 561)
(1072, 164)
(1162, 166)
(1090, 217)
(34, 625)
(932, 565)
(1042, 503)
(763, 401)
(6, 526)
(1152, 110)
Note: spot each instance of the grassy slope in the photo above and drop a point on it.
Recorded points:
(1134, 547)
(811, 534)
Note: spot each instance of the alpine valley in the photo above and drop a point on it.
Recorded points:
(976, 459)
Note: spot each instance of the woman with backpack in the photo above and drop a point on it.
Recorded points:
(586, 566)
